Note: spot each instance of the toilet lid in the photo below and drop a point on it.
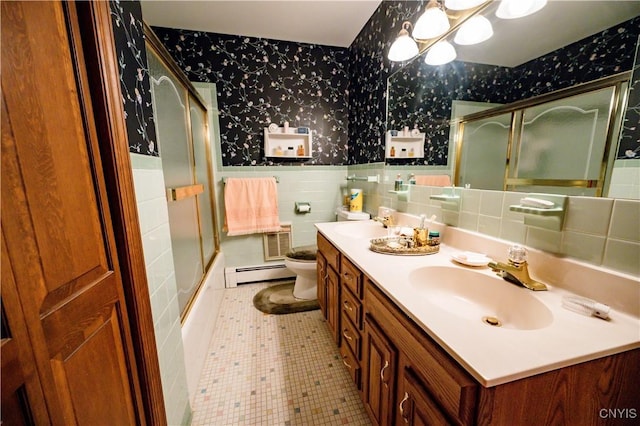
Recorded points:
(303, 253)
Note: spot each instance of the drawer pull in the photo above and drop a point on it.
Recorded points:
(346, 335)
(346, 364)
(347, 306)
(404, 417)
(386, 364)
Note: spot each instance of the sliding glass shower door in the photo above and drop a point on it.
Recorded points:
(182, 132)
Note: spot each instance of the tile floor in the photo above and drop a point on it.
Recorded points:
(273, 370)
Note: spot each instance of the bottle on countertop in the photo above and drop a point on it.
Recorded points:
(398, 183)
(412, 179)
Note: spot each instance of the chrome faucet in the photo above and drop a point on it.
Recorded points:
(516, 271)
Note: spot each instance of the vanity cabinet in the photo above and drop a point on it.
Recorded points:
(405, 377)
(378, 382)
(328, 286)
(417, 406)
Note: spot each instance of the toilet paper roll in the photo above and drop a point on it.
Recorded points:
(303, 208)
(355, 200)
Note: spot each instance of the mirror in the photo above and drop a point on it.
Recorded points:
(521, 61)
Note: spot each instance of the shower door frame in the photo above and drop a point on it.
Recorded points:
(154, 45)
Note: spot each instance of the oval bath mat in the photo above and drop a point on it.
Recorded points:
(278, 299)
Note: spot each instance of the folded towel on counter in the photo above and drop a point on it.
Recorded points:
(433, 180)
(251, 206)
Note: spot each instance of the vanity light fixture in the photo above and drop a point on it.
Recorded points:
(462, 4)
(512, 9)
(433, 22)
(440, 53)
(476, 30)
(404, 47)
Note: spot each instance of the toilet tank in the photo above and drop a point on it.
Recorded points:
(344, 215)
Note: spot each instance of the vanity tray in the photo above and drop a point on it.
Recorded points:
(394, 245)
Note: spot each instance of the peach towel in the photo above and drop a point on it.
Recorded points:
(251, 206)
(433, 180)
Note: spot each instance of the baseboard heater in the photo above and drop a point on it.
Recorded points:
(250, 274)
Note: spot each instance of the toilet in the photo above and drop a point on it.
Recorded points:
(302, 262)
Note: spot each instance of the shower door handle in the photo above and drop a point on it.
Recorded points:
(182, 192)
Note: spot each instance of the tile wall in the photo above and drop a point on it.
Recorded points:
(319, 185)
(158, 257)
(625, 179)
(600, 231)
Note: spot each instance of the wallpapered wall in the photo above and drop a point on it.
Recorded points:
(261, 81)
(339, 92)
(630, 141)
(422, 94)
(126, 17)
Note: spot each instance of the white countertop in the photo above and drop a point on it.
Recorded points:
(491, 355)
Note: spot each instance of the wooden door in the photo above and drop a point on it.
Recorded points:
(379, 372)
(333, 303)
(67, 316)
(416, 407)
(322, 283)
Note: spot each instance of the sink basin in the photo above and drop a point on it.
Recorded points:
(485, 299)
(362, 229)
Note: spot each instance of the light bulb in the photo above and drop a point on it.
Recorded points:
(404, 47)
(440, 53)
(512, 9)
(462, 4)
(474, 31)
(433, 23)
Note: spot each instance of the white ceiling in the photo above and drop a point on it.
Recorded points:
(337, 23)
(330, 23)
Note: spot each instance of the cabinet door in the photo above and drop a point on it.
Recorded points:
(379, 372)
(416, 407)
(333, 303)
(322, 283)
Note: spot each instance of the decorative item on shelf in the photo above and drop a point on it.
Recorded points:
(277, 151)
(403, 153)
(392, 153)
(405, 131)
(286, 127)
(303, 130)
(394, 133)
(273, 127)
(412, 152)
(290, 152)
(415, 132)
(300, 151)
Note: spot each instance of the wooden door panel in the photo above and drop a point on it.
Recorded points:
(56, 223)
(72, 369)
(53, 151)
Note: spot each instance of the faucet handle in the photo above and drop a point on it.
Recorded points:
(517, 254)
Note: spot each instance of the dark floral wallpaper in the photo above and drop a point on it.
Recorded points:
(261, 81)
(422, 94)
(126, 17)
(630, 139)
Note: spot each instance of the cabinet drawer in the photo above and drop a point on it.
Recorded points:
(351, 336)
(352, 308)
(451, 387)
(351, 277)
(353, 366)
(329, 252)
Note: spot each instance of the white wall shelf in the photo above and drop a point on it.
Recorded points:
(404, 146)
(278, 144)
